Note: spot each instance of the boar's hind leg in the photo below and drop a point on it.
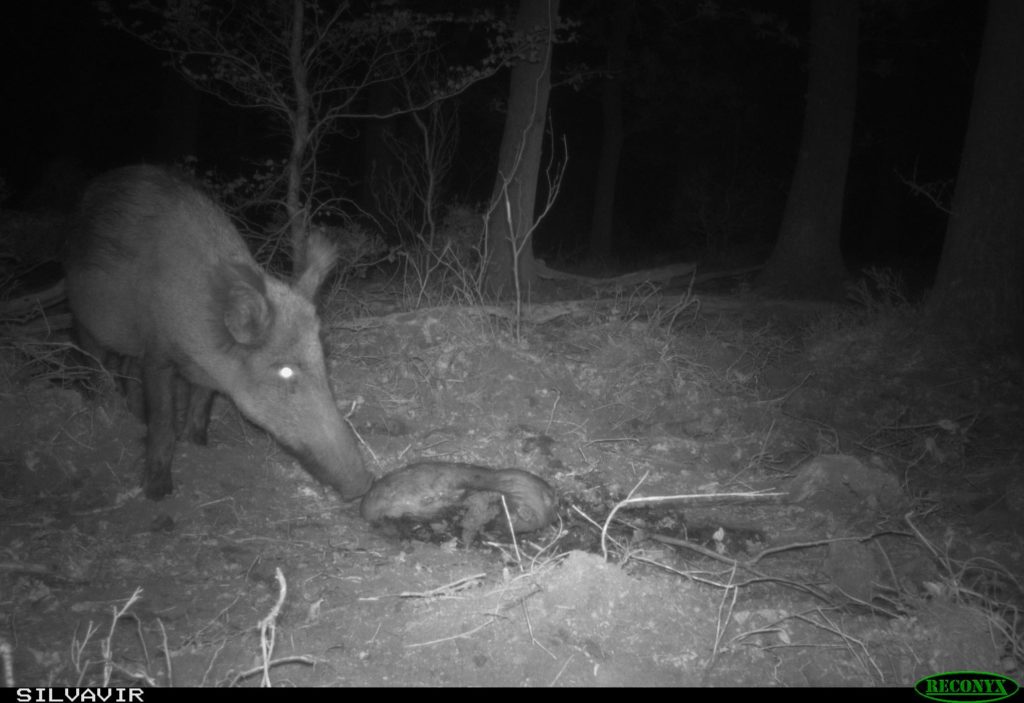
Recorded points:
(197, 417)
(105, 364)
(158, 385)
(122, 370)
(131, 386)
(95, 353)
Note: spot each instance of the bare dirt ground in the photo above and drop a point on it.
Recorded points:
(888, 549)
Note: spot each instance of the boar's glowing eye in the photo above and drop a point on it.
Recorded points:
(285, 372)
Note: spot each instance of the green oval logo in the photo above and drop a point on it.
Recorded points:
(969, 686)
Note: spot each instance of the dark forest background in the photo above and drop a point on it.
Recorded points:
(713, 100)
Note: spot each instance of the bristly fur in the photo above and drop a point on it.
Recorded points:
(229, 286)
(158, 272)
(321, 255)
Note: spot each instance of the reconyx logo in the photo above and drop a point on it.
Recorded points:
(966, 687)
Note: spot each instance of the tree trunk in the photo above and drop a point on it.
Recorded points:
(379, 164)
(807, 261)
(510, 220)
(602, 219)
(300, 141)
(979, 287)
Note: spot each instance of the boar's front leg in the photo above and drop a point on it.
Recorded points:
(197, 417)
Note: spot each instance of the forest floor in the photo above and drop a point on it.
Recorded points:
(832, 499)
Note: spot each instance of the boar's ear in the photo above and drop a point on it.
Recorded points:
(247, 313)
(320, 257)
